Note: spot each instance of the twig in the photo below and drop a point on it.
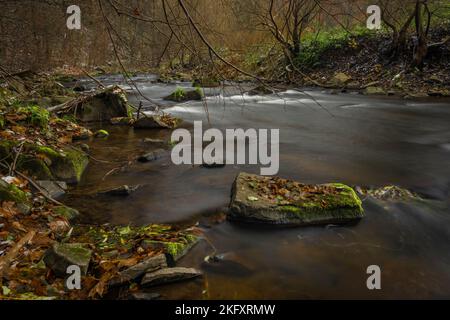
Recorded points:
(92, 78)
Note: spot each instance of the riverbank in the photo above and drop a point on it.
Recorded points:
(43, 155)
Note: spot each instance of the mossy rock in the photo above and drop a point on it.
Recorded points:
(174, 250)
(10, 192)
(183, 96)
(46, 163)
(101, 134)
(329, 203)
(69, 213)
(62, 255)
(374, 91)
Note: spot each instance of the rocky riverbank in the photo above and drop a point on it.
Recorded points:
(43, 152)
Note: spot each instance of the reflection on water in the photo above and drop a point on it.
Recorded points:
(356, 140)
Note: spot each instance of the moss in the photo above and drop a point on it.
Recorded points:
(10, 192)
(79, 161)
(344, 202)
(66, 212)
(2, 121)
(102, 134)
(35, 167)
(47, 151)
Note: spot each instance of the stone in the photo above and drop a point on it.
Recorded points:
(183, 96)
(10, 192)
(52, 189)
(103, 105)
(69, 213)
(101, 134)
(138, 270)
(340, 78)
(374, 91)
(155, 122)
(332, 203)
(152, 156)
(120, 191)
(260, 90)
(169, 275)
(174, 250)
(62, 255)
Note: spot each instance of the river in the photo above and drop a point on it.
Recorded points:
(349, 138)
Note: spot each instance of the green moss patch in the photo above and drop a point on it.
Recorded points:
(9, 192)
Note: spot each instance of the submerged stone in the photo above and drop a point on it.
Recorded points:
(152, 156)
(62, 255)
(293, 203)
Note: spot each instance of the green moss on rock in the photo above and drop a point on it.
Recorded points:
(317, 204)
(66, 212)
(10, 192)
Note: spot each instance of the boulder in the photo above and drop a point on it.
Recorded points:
(279, 201)
(101, 134)
(102, 105)
(169, 275)
(393, 193)
(62, 255)
(149, 265)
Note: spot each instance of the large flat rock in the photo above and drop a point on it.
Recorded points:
(272, 200)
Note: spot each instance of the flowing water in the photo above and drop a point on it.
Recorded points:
(348, 138)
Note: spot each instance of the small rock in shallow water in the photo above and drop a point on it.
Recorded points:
(120, 191)
(213, 165)
(152, 156)
(169, 275)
